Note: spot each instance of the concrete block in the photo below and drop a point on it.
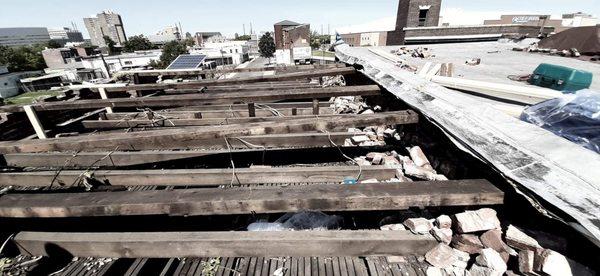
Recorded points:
(441, 256)
(519, 240)
(443, 221)
(491, 259)
(467, 243)
(475, 221)
(418, 225)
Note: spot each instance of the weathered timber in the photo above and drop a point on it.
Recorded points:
(167, 122)
(202, 83)
(263, 143)
(260, 111)
(245, 200)
(200, 177)
(225, 244)
(197, 72)
(229, 107)
(206, 98)
(246, 87)
(183, 138)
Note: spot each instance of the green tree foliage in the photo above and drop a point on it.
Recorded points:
(170, 52)
(137, 43)
(110, 44)
(243, 37)
(316, 40)
(266, 46)
(25, 58)
(53, 44)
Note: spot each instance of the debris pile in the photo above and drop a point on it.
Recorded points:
(534, 48)
(420, 52)
(371, 136)
(329, 81)
(415, 166)
(351, 105)
(472, 243)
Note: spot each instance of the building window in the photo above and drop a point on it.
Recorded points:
(423, 17)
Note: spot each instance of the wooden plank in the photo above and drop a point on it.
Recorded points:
(201, 177)
(81, 118)
(229, 107)
(183, 138)
(205, 98)
(214, 201)
(271, 143)
(35, 122)
(103, 96)
(196, 72)
(233, 113)
(158, 123)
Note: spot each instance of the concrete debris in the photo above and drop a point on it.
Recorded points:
(434, 271)
(329, 81)
(474, 221)
(534, 48)
(467, 243)
(349, 105)
(400, 175)
(360, 139)
(493, 239)
(477, 270)
(519, 240)
(443, 235)
(491, 259)
(419, 52)
(462, 259)
(417, 155)
(418, 225)
(551, 263)
(473, 61)
(391, 162)
(396, 259)
(361, 161)
(441, 256)
(393, 227)
(526, 258)
(372, 180)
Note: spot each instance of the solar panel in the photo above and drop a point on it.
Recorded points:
(187, 62)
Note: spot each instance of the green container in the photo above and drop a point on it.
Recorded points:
(561, 78)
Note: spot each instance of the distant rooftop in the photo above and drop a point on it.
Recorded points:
(286, 23)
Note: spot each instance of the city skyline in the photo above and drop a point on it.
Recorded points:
(353, 15)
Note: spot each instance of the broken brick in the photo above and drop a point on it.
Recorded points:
(519, 240)
(491, 259)
(441, 256)
(443, 221)
(526, 261)
(418, 225)
(467, 243)
(553, 263)
(474, 221)
(443, 235)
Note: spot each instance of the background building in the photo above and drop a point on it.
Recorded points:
(108, 24)
(168, 34)
(289, 34)
(414, 13)
(208, 37)
(65, 35)
(23, 36)
(567, 21)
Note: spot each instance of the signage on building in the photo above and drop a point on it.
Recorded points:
(524, 19)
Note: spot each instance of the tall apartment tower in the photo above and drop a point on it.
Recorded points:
(414, 13)
(108, 24)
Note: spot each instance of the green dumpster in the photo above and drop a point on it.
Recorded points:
(561, 78)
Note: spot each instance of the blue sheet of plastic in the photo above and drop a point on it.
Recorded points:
(574, 117)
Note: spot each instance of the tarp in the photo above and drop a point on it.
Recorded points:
(552, 168)
(585, 39)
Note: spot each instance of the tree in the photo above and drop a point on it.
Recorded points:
(53, 44)
(110, 44)
(243, 37)
(138, 43)
(170, 52)
(266, 46)
(26, 58)
(316, 40)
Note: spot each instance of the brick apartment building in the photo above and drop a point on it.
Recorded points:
(289, 34)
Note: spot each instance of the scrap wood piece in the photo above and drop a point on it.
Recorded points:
(225, 244)
(264, 111)
(245, 200)
(229, 107)
(206, 98)
(200, 177)
(179, 138)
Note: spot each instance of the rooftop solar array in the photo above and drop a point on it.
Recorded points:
(187, 62)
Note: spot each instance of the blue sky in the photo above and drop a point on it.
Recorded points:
(227, 16)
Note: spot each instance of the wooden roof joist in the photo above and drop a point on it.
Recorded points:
(197, 72)
(210, 82)
(206, 98)
(200, 177)
(273, 143)
(267, 111)
(215, 201)
(225, 244)
(184, 138)
(230, 107)
(166, 122)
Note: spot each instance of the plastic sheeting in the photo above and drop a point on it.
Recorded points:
(305, 220)
(574, 117)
